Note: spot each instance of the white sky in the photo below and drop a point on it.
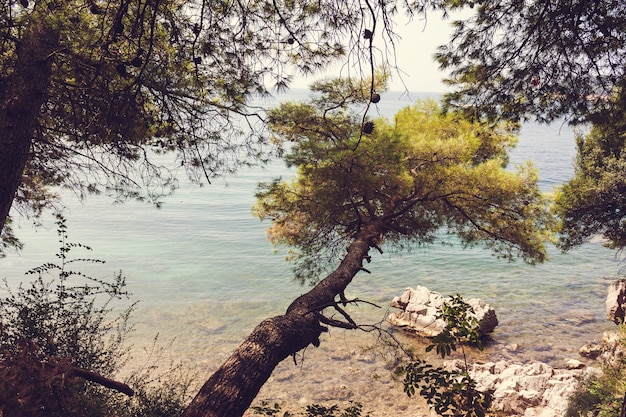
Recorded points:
(415, 51)
(414, 54)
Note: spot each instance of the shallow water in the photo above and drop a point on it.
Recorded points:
(206, 275)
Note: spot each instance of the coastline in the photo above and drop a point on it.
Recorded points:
(341, 371)
(348, 366)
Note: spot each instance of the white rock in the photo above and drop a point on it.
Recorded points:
(420, 295)
(607, 351)
(534, 389)
(591, 350)
(574, 364)
(403, 300)
(420, 306)
(616, 301)
(531, 396)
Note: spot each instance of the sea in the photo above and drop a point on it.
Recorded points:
(204, 273)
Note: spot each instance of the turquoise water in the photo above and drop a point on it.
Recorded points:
(205, 273)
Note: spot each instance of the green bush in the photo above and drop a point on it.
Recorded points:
(62, 344)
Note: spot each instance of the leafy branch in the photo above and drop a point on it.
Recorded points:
(450, 393)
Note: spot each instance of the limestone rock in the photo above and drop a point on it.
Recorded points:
(534, 389)
(616, 301)
(513, 347)
(419, 307)
(574, 364)
(591, 350)
(607, 351)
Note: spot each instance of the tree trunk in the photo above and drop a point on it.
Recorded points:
(232, 388)
(22, 94)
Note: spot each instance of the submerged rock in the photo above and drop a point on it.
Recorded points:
(420, 307)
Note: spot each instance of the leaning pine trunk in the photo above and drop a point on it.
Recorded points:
(232, 388)
(22, 94)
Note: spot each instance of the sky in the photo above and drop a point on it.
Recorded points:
(414, 54)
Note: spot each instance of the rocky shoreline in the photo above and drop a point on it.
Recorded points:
(338, 373)
(537, 389)
(518, 390)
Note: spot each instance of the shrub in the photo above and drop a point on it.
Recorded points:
(62, 341)
(602, 395)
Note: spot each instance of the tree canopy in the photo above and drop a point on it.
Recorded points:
(563, 59)
(94, 92)
(361, 183)
(542, 59)
(426, 175)
(594, 201)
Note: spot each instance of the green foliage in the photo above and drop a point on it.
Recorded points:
(505, 64)
(320, 410)
(425, 173)
(132, 80)
(602, 395)
(265, 409)
(504, 61)
(461, 327)
(449, 393)
(313, 410)
(66, 320)
(594, 201)
(67, 315)
(8, 240)
(158, 392)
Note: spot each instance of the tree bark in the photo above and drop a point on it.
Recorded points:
(232, 388)
(22, 94)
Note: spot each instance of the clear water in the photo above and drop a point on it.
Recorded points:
(205, 273)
